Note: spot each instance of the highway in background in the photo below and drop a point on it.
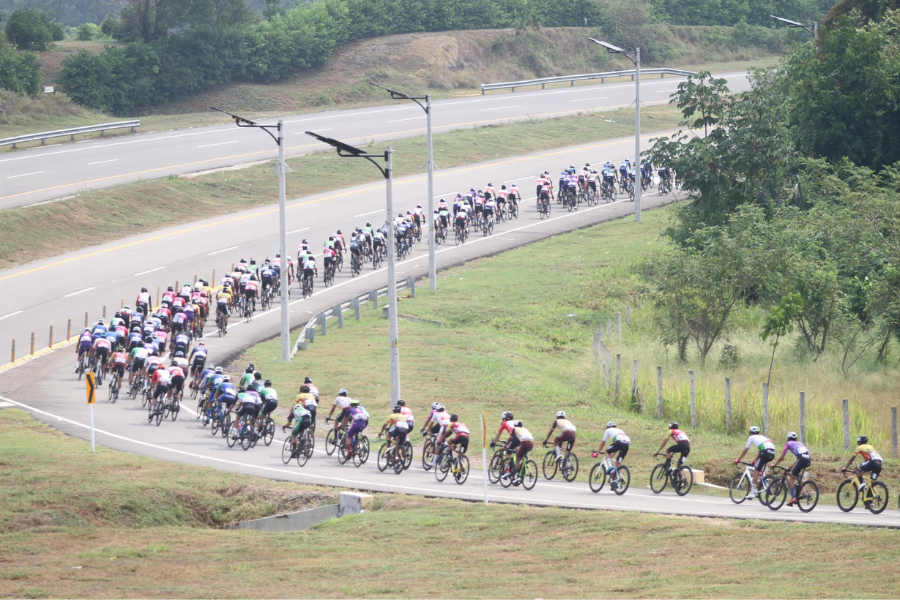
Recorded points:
(45, 173)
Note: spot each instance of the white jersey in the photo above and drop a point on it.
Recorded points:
(342, 402)
(442, 418)
(614, 434)
(760, 442)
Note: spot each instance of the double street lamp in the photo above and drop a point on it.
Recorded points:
(794, 24)
(281, 168)
(636, 59)
(348, 151)
(432, 275)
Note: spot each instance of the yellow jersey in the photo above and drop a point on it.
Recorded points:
(868, 452)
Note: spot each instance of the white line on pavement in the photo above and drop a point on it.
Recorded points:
(588, 99)
(368, 213)
(24, 174)
(78, 292)
(100, 162)
(296, 231)
(222, 250)
(409, 119)
(148, 271)
(519, 179)
(12, 314)
(500, 107)
(219, 144)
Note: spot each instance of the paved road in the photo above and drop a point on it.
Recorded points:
(45, 173)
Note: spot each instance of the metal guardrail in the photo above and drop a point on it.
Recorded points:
(573, 78)
(308, 331)
(33, 137)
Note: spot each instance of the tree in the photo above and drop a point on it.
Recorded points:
(87, 31)
(703, 95)
(779, 322)
(31, 29)
(20, 71)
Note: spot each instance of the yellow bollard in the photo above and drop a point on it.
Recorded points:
(13, 354)
(69, 330)
(50, 343)
(85, 319)
(32, 343)
(104, 311)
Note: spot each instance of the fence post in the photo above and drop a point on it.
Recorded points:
(122, 304)
(195, 280)
(177, 287)
(601, 335)
(356, 307)
(373, 298)
(765, 415)
(618, 374)
(605, 378)
(894, 431)
(803, 417)
(659, 400)
(32, 342)
(13, 351)
(322, 319)
(311, 334)
(339, 313)
(634, 370)
(619, 321)
(727, 404)
(50, 341)
(69, 330)
(628, 316)
(693, 400)
(157, 297)
(597, 345)
(104, 311)
(411, 284)
(85, 319)
(609, 327)
(212, 282)
(845, 407)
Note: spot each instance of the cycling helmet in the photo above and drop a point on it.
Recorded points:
(354, 402)
(244, 260)
(219, 370)
(397, 409)
(307, 379)
(257, 376)
(673, 425)
(267, 383)
(250, 368)
(304, 241)
(179, 354)
(252, 261)
(226, 377)
(863, 439)
(201, 344)
(401, 402)
(126, 307)
(87, 329)
(170, 289)
(440, 408)
(253, 277)
(143, 289)
(490, 185)
(506, 416)
(304, 389)
(610, 424)
(436, 211)
(101, 321)
(502, 187)
(434, 405)
(519, 424)
(754, 430)
(118, 315)
(330, 238)
(120, 348)
(571, 166)
(792, 436)
(242, 389)
(339, 232)
(418, 206)
(587, 164)
(454, 418)
(561, 414)
(368, 224)
(400, 215)
(343, 392)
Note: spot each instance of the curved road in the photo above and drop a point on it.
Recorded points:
(45, 173)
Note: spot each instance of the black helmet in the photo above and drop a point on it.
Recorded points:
(268, 383)
(307, 379)
(250, 368)
(401, 402)
(397, 408)
(507, 416)
(257, 376)
(170, 289)
(454, 418)
(863, 439)
(242, 389)
(673, 425)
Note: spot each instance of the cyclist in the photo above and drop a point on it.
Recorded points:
(623, 172)
(329, 258)
(176, 375)
(513, 196)
(397, 427)
(619, 443)
(247, 405)
(566, 434)
(871, 462)
(460, 433)
(137, 359)
(489, 211)
(407, 412)
(313, 389)
(84, 346)
(180, 343)
(223, 304)
(302, 420)
(247, 377)
(489, 192)
(197, 359)
(307, 399)
(310, 270)
(359, 418)
(250, 292)
(160, 385)
(509, 426)
(526, 444)
(342, 401)
(143, 301)
(267, 273)
(119, 360)
(682, 444)
(462, 220)
(801, 453)
(224, 393)
(100, 353)
(765, 454)
(269, 398)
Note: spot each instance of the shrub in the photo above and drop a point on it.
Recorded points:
(31, 29)
(87, 31)
(20, 71)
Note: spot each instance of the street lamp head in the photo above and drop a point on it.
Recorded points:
(609, 47)
(236, 118)
(788, 22)
(341, 146)
(394, 93)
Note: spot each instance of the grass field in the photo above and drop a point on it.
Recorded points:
(516, 335)
(78, 525)
(155, 204)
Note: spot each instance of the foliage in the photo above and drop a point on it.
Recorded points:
(20, 71)
(779, 322)
(31, 29)
(87, 31)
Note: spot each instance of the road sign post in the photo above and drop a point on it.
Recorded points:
(484, 455)
(91, 389)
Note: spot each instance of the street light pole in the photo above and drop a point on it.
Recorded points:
(429, 166)
(282, 218)
(814, 30)
(637, 119)
(348, 151)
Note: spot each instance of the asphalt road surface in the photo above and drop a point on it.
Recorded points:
(50, 291)
(44, 173)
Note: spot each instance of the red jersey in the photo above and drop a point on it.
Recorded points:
(251, 286)
(160, 376)
(176, 371)
(508, 427)
(120, 358)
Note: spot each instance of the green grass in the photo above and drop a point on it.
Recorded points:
(81, 525)
(155, 204)
(517, 335)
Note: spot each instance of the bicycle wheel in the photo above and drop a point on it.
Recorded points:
(570, 467)
(397, 463)
(739, 488)
(658, 478)
(847, 495)
(306, 448)
(112, 388)
(529, 479)
(343, 454)
(427, 455)
(776, 494)
(624, 481)
(174, 410)
(382, 460)
(247, 436)
(462, 472)
(597, 478)
(765, 482)
(880, 497)
(269, 432)
(362, 452)
(550, 465)
(506, 474)
(160, 414)
(216, 423)
(144, 399)
(330, 443)
(230, 434)
(807, 496)
(286, 450)
(684, 480)
(442, 467)
(407, 455)
(494, 468)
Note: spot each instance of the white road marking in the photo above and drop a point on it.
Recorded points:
(320, 130)
(589, 99)
(410, 119)
(100, 162)
(519, 179)
(24, 174)
(219, 144)
(12, 314)
(222, 250)
(79, 292)
(500, 107)
(296, 231)
(666, 91)
(149, 271)
(368, 213)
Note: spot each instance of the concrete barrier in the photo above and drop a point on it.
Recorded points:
(349, 503)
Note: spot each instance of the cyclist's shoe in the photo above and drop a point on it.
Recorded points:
(751, 495)
(867, 505)
(792, 502)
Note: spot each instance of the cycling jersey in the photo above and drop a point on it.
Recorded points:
(119, 358)
(176, 371)
(868, 452)
(407, 412)
(342, 402)
(522, 434)
(797, 449)
(459, 428)
(442, 418)
(679, 436)
(161, 376)
(565, 425)
(760, 442)
(307, 400)
(508, 426)
(398, 420)
(614, 435)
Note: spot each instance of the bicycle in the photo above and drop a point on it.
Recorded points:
(875, 494)
(566, 463)
(458, 464)
(135, 387)
(240, 431)
(302, 451)
(387, 457)
(114, 388)
(681, 478)
(608, 192)
(461, 235)
(496, 465)
(428, 452)
(487, 227)
(619, 479)
(249, 308)
(329, 275)
(355, 267)
(171, 408)
(307, 286)
(806, 492)
(82, 365)
(513, 210)
(334, 439)
(740, 485)
(526, 475)
(221, 324)
(359, 448)
(157, 414)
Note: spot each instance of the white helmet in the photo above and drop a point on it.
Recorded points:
(561, 414)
